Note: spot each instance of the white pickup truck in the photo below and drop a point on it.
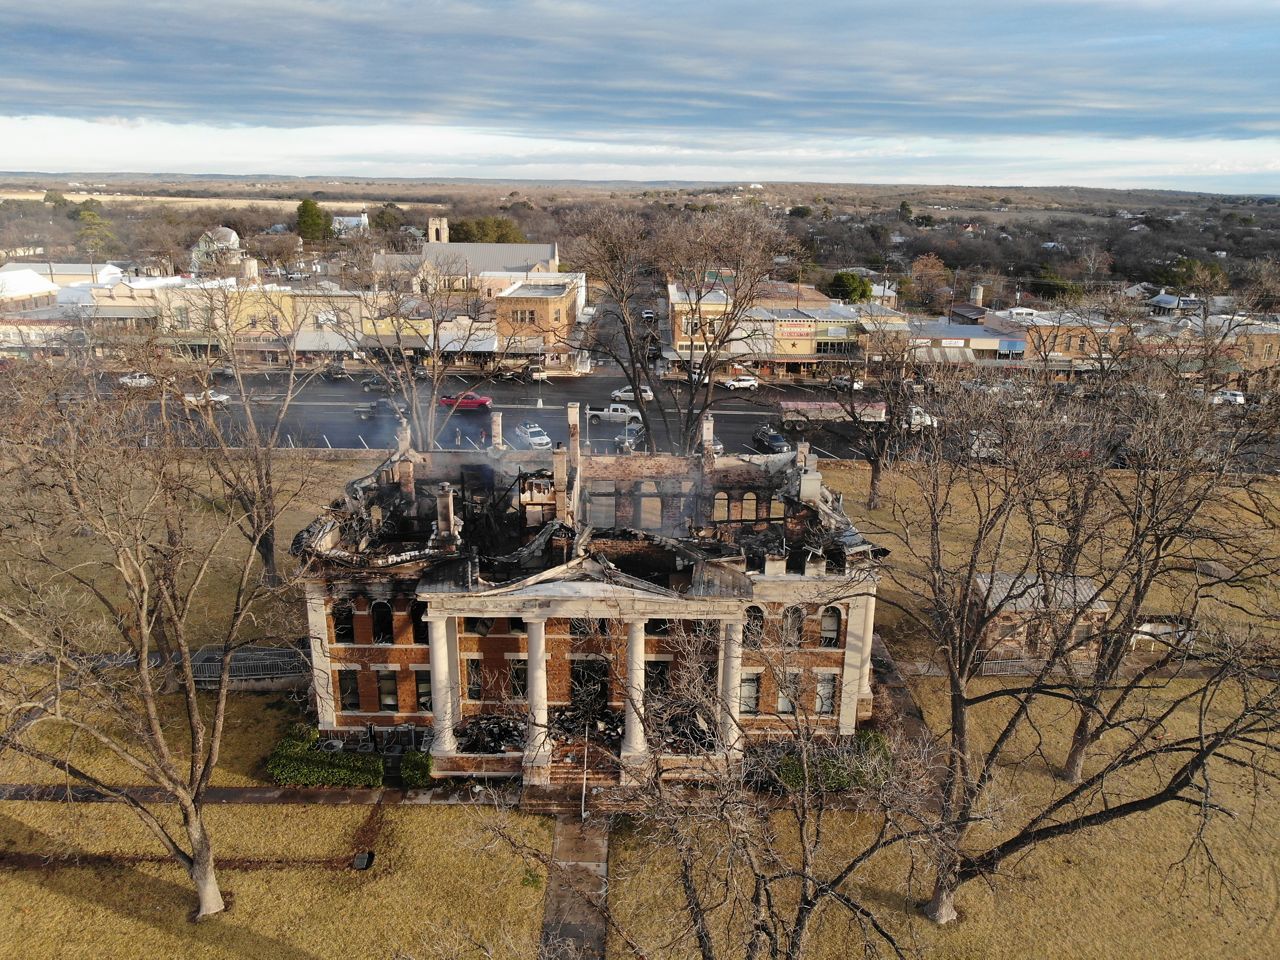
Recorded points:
(613, 413)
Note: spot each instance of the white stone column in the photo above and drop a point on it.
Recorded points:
(855, 680)
(868, 631)
(537, 750)
(731, 689)
(321, 666)
(455, 675)
(634, 744)
(444, 744)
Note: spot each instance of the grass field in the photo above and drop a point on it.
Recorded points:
(1112, 894)
(1117, 892)
(435, 884)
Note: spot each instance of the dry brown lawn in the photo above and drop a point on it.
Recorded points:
(1117, 892)
(255, 721)
(901, 497)
(1114, 893)
(436, 882)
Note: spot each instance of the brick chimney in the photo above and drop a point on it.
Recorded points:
(495, 429)
(445, 539)
(560, 477)
(575, 438)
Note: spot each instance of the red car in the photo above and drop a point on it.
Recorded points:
(467, 401)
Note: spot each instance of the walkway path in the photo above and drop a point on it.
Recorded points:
(573, 927)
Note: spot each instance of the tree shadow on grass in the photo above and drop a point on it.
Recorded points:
(132, 894)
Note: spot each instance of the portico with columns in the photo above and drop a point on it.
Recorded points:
(577, 592)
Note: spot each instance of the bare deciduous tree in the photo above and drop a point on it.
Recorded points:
(117, 572)
(1016, 537)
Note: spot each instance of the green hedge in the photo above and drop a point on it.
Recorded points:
(831, 769)
(296, 763)
(415, 770)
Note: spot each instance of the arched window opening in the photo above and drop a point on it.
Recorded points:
(421, 634)
(721, 510)
(383, 626)
(344, 628)
(753, 628)
(748, 507)
(831, 627)
(792, 625)
(777, 509)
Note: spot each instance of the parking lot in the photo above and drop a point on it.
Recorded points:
(338, 414)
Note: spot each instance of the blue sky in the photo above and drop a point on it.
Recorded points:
(1107, 92)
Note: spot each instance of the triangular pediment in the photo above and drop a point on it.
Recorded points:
(582, 577)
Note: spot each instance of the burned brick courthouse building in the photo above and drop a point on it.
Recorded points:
(668, 606)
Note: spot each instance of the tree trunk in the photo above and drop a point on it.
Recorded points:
(873, 491)
(1073, 768)
(202, 870)
(267, 553)
(941, 907)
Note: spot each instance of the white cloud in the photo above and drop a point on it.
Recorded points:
(54, 143)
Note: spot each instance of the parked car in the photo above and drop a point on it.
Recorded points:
(380, 407)
(648, 316)
(537, 372)
(985, 445)
(716, 446)
(917, 419)
(375, 382)
(137, 381)
(206, 398)
(768, 439)
(297, 275)
(630, 438)
(336, 372)
(225, 371)
(613, 413)
(742, 382)
(1228, 397)
(843, 383)
(628, 393)
(467, 401)
(533, 435)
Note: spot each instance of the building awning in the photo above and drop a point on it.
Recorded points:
(322, 340)
(957, 355)
(516, 346)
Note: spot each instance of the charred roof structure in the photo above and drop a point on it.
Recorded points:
(450, 588)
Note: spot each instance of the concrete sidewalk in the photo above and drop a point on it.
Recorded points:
(573, 926)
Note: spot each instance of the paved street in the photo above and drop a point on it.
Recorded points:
(324, 414)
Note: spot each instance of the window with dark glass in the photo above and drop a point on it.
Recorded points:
(788, 692)
(388, 691)
(793, 625)
(753, 627)
(518, 679)
(657, 678)
(825, 697)
(383, 625)
(424, 689)
(582, 627)
(749, 696)
(475, 680)
(421, 631)
(349, 690)
(344, 630)
(477, 625)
